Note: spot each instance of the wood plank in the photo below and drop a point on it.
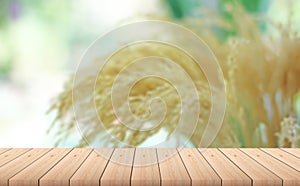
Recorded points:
(294, 151)
(199, 170)
(283, 156)
(259, 174)
(2, 150)
(11, 154)
(145, 170)
(12, 168)
(289, 175)
(91, 170)
(31, 174)
(118, 170)
(172, 169)
(229, 173)
(60, 174)
(266, 166)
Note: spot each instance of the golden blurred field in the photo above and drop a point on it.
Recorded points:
(262, 76)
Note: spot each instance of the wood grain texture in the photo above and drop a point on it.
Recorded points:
(122, 166)
(11, 154)
(229, 172)
(60, 174)
(13, 167)
(172, 169)
(259, 174)
(289, 175)
(118, 170)
(4, 150)
(31, 174)
(293, 151)
(91, 170)
(145, 170)
(199, 170)
(283, 156)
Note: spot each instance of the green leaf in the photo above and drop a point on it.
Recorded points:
(238, 131)
(296, 101)
(181, 9)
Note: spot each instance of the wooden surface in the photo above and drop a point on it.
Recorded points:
(92, 169)
(129, 166)
(145, 170)
(118, 170)
(227, 170)
(289, 175)
(259, 174)
(172, 169)
(61, 173)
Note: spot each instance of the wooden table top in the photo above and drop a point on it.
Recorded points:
(188, 166)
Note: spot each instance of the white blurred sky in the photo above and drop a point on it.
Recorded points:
(43, 64)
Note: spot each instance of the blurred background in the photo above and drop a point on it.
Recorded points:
(41, 43)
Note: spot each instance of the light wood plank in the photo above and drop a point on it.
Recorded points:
(119, 168)
(199, 170)
(91, 170)
(289, 175)
(2, 150)
(60, 174)
(283, 156)
(229, 173)
(294, 151)
(172, 169)
(11, 154)
(12, 168)
(145, 170)
(31, 174)
(186, 167)
(259, 174)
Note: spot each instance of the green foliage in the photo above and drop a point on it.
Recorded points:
(3, 13)
(180, 9)
(238, 130)
(5, 69)
(297, 105)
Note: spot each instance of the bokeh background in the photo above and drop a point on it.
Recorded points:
(41, 43)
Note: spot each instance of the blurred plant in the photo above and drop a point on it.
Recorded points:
(289, 134)
(189, 8)
(3, 13)
(5, 69)
(9, 10)
(140, 97)
(181, 9)
(262, 74)
(22, 21)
